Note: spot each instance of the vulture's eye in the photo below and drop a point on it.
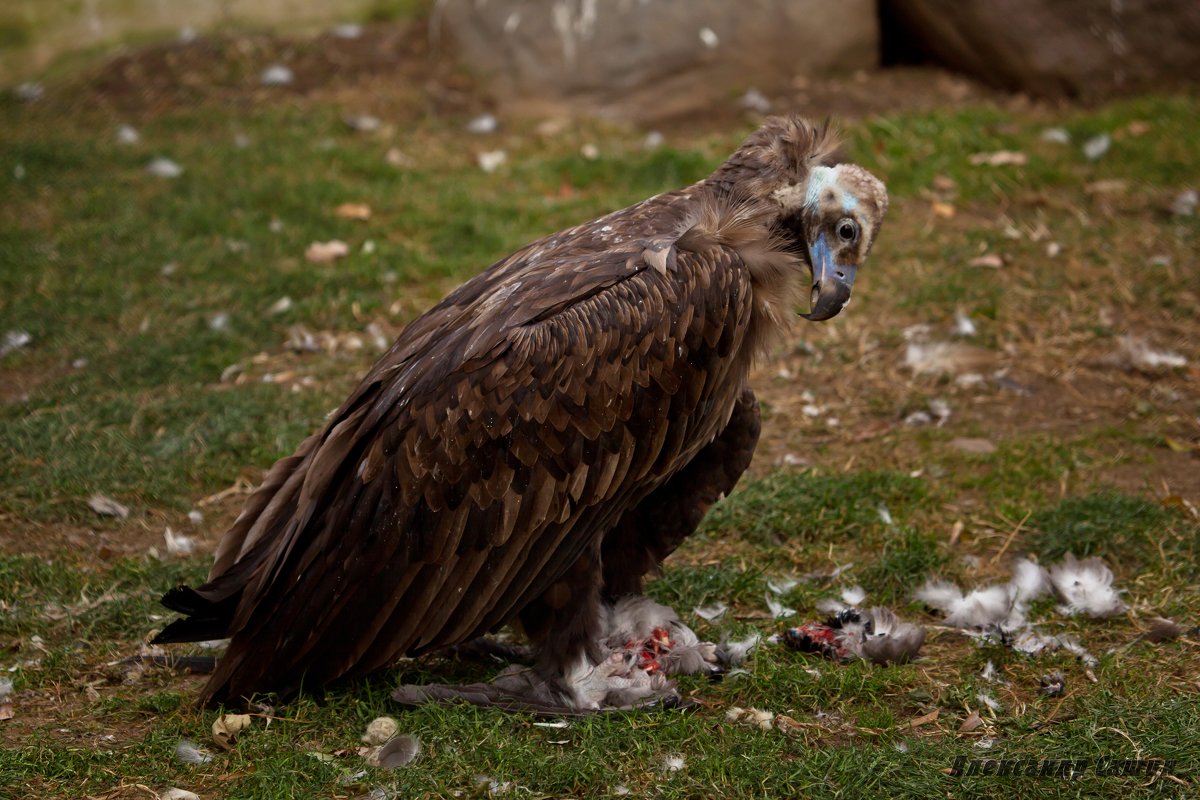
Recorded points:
(847, 230)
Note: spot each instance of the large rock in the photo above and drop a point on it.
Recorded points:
(646, 59)
(1073, 48)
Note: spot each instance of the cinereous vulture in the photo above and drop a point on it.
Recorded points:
(537, 443)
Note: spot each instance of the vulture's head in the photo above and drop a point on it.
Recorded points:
(827, 213)
(836, 217)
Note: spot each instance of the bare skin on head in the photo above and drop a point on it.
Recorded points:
(535, 445)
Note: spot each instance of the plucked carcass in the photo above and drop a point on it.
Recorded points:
(535, 445)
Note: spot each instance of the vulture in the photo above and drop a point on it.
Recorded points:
(533, 446)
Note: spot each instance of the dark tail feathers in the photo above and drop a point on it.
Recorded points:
(206, 619)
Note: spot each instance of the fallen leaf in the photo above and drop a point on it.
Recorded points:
(1000, 158)
(107, 507)
(973, 446)
(324, 252)
(943, 209)
(987, 261)
(225, 729)
(359, 211)
(971, 723)
(925, 719)
(6, 711)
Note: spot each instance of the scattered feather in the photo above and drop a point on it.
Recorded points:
(736, 651)
(755, 717)
(347, 30)
(30, 91)
(398, 752)
(276, 75)
(380, 730)
(363, 123)
(1135, 354)
(778, 610)
(324, 252)
(589, 151)
(105, 506)
(187, 753)
(484, 123)
(1097, 146)
(279, 306)
(1160, 630)
(934, 358)
(14, 340)
(980, 608)
(710, 613)
(709, 38)
(164, 168)
(178, 794)
(986, 744)
(992, 703)
(754, 100)
(885, 516)
(1184, 204)
(219, 321)
(178, 544)
(1056, 135)
(490, 160)
(1029, 581)
(674, 763)
(992, 675)
(1086, 587)
(1053, 683)
(782, 585)
(854, 595)
(964, 325)
(557, 724)
(128, 135)
(653, 141)
(939, 409)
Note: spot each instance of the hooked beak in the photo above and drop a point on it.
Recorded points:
(831, 283)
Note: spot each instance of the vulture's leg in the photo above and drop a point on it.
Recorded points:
(651, 531)
(579, 669)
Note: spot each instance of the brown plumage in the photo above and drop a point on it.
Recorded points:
(540, 440)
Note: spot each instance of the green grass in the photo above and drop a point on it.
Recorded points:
(121, 393)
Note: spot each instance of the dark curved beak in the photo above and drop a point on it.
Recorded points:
(831, 284)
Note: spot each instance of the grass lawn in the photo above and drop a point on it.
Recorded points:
(180, 341)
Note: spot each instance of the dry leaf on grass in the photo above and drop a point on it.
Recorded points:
(359, 211)
(225, 729)
(1000, 158)
(324, 252)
